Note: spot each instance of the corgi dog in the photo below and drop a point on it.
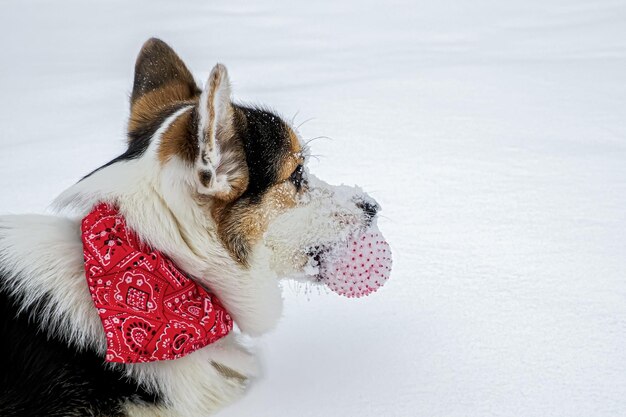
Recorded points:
(221, 193)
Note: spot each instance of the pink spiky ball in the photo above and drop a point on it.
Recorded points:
(359, 267)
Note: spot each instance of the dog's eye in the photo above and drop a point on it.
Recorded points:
(297, 177)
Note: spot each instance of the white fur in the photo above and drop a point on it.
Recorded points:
(43, 254)
(252, 296)
(325, 217)
(219, 102)
(208, 128)
(191, 385)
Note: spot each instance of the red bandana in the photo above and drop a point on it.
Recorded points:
(150, 309)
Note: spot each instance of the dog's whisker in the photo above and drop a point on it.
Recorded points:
(294, 287)
(318, 137)
(293, 118)
(306, 121)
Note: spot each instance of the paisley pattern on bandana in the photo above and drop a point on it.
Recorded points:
(149, 308)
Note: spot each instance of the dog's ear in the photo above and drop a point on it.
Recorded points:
(161, 79)
(158, 68)
(221, 167)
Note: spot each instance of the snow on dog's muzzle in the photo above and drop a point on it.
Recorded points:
(331, 237)
(357, 267)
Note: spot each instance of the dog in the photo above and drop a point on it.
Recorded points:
(219, 188)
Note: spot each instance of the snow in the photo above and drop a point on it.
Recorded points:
(492, 133)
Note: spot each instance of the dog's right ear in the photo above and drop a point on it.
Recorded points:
(161, 79)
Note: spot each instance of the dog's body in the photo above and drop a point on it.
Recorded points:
(221, 190)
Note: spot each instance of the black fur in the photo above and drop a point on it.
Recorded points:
(43, 376)
(266, 142)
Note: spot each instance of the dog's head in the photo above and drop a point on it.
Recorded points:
(222, 171)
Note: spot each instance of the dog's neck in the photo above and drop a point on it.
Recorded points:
(161, 210)
(158, 204)
(164, 214)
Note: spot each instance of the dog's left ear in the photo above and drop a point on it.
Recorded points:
(161, 81)
(221, 168)
(160, 71)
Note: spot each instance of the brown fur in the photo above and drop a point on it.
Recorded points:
(242, 224)
(294, 157)
(179, 140)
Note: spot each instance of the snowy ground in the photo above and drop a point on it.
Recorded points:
(493, 133)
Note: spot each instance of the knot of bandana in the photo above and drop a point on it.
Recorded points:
(149, 308)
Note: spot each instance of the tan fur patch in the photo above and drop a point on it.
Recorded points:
(293, 158)
(241, 225)
(178, 140)
(148, 106)
(227, 372)
(238, 184)
(295, 142)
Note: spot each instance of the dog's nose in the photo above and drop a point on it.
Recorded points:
(368, 207)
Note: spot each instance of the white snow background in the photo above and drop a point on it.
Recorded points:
(493, 134)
